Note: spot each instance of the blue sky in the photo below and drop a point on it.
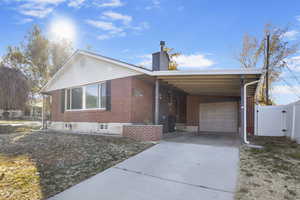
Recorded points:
(207, 33)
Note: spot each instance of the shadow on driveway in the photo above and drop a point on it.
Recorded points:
(204, 138)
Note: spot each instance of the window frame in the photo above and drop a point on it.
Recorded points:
(99, 84)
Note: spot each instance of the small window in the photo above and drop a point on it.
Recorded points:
(91, 96)
(137, 92)
(76, 98)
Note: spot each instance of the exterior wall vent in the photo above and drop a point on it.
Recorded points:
(102, 126)
(68, 126)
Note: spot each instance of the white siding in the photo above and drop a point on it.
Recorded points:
(83, 70)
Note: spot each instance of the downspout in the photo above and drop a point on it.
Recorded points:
(245, 110)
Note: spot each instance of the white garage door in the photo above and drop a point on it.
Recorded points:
(218, 117)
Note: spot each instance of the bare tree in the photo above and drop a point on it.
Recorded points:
(37, 57)
(250, 53)
(14, 89)
(253, 54)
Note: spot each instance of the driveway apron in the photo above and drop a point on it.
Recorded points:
(170, 170)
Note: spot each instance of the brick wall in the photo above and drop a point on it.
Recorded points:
(126, 105)
(143, 132)
(56, 114)
(120, 106)
(142, 103)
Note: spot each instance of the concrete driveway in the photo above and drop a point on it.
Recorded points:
(181, 167)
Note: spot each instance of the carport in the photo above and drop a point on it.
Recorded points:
(214, 98)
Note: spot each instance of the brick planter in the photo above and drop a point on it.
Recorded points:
(143, 132)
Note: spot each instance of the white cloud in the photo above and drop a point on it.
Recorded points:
(39, 13)
(146, 60)
(25, 21)
(106, 26)
(283, 94)
(42, 8)
(109, 3)
(291, 35)
(154, 4)
(45, 1)
(294, 63)
(126, 19)
(109, 29)
(110, 35)
(76, 3)
(284, 89)
(142, 26)
(103, 37)
(37, 8)
(193, 60)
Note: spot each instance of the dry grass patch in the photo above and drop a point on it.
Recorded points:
(14, 121)
(37, 165)
(16, 126)
(270, 173)
(19, 178)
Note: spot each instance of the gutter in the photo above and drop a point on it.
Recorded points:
(245, 110)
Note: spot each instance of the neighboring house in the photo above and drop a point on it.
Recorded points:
(93, 93)
(32, 111)
(12, 114)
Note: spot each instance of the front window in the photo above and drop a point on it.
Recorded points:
(86, 97)
(91, 96)
(76, 98)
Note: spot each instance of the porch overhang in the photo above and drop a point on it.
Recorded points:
(211, 83)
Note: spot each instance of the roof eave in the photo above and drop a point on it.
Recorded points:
(207, 72)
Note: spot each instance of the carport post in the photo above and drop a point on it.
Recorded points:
(156, 112)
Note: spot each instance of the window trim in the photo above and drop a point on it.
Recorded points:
(83, 98)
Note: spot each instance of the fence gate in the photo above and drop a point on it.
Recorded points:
(270, 120)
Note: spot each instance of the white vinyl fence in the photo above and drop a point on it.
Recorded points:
(283, 120)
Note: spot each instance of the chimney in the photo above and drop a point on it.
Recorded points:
(160, 60)
(162, 45)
